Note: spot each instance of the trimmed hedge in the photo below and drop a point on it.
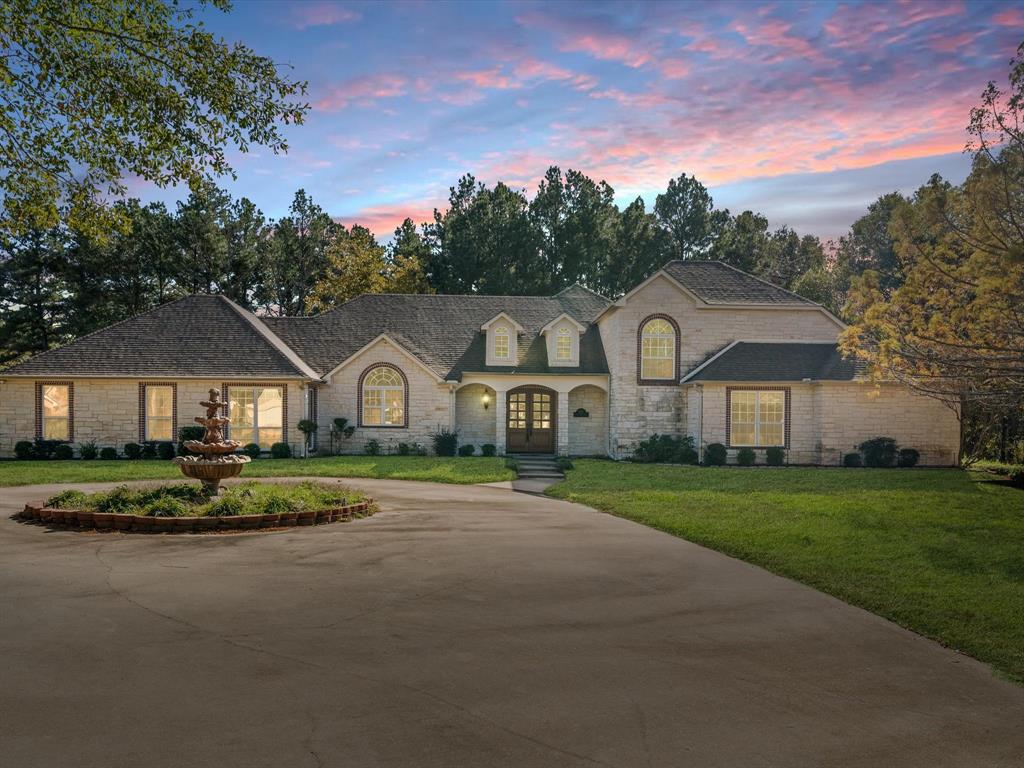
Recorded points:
(715, 455)
(467, 450)
(775, 456)
(746, 457)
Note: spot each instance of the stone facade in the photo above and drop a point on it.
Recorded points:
(588, 435)
(476, 424)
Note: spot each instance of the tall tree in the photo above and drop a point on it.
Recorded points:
(870, 245)
(743, 241)
(247, 241)
(686, 211)
(407, 256)
(639, 250)
(356, 265)
(202, 241)
(94, 91)
(32, 294)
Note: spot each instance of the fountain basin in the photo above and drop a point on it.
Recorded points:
(211, 471)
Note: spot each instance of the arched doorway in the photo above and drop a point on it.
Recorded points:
(531, 416)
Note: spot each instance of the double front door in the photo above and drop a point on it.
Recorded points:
(531, 420)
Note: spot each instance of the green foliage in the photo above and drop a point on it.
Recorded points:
(372, 448)
(403, 449)
(165, 450)
(108, 453)
(280, 451)
(775, 456)
(44, 449)
(88, 450)
(908, 457)
(715, 455)
(281, 505)
(852, 460)
(467, 450)
(149, 449)
(132, 451)
(151, 94)
(67, 500)
(488, 449)
(746, 457)
(227, 506)
(188, 433)
(564, 463)
(23, 449)
(64, 452)
(307, 427)
(252, 450)
(666, 448)
(1016, 476)
(685, 210)
(165, 506)
(879, 452)
(445, 441)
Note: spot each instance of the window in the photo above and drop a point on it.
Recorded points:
(158, 402)
(757, 418)
(563, 344)
(658, 350)
(501, 343)
(257, 415)
(54, 411)
(383, 398)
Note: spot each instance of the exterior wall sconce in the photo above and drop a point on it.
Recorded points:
(486, 401)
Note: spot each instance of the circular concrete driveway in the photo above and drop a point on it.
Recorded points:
(462, 626)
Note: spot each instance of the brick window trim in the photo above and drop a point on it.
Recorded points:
(71, 408)
(142, 407)
(640, 380)
(359, 398)
(786, 415)
(226, 385)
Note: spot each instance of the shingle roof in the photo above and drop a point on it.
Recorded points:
(782, 361)
(444, 331)
(194, 336)
(718, 283)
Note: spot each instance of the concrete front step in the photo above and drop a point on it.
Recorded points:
(537, 467)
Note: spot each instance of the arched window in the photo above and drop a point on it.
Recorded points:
(383, 394)
(501, 343)
(563, 344)
(658, 343)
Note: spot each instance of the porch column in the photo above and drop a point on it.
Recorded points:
(562, 433)
(500, 406)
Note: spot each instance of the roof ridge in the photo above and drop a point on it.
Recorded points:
(582, 287)
(275, 341)
(766, 282)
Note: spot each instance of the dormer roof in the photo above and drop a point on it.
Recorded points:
(561, 320)
(499, 317)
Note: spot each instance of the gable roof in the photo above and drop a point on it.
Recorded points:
(444, 331)
(778, 361)
(715, 282)
(195, 336)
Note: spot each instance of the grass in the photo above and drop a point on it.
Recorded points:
(463, 470)
(939, 551)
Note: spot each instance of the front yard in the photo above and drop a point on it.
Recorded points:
(939, 551)
(461, 470)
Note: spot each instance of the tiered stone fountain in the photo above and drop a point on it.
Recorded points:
(218, 459)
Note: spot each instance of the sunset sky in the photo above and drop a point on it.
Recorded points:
(803, 111)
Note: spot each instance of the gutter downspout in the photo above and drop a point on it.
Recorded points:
(700, 423)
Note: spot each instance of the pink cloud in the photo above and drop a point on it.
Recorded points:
(674, 69)
(320, 14)
(1011, 17)
(361, 91)
(487, 78)
(384, 218)
(608, 47)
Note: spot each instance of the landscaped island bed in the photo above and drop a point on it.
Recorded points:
(460, 470)
(184, 507)
(939, 551)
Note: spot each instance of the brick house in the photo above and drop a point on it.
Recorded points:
(699, 348)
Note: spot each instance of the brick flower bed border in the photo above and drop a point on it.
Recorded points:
(109, 521)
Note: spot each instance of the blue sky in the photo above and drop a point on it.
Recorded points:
(802, 111)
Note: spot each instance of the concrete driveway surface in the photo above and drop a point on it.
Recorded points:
(463, 626)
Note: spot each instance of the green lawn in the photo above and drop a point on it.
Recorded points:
(940, 551)
(431, 468)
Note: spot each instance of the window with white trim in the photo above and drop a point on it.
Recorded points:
(383, 398)
(55, 411)
(657, 350)
(257, 415)
(502, 344)
(159, 412)
(563, 344)
(757, 417)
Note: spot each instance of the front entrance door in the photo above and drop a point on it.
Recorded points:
(531, 420)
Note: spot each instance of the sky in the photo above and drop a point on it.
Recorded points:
(803, 111)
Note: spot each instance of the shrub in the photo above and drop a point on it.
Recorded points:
(564, 463)
(488, 449)
(852, 460)
(445, 441)
(108, 453)
(908, 457)
(1016, 476)
(372, 447)
(418, 449)
(879, 452)
(308, 428)
(467, 450)
(64, 452)
(88, 451)
(775, 456)
(188, 433)
(44, 449)
(715, 455)
(280, 451)
(165, 450)
(403, 449)
(252, 450)
(132, 451)
(746, 457)
(227, 506)
(666, 448)
(121, 500)
(23, 449)
(148, 449)
(166, 506)
(280, 505)
(67, 500)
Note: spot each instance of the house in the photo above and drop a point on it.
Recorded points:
(699, 348)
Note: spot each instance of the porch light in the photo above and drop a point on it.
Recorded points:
(486, 401)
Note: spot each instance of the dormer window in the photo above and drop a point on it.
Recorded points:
(563, 341)
(501, 343)
(563, 344)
